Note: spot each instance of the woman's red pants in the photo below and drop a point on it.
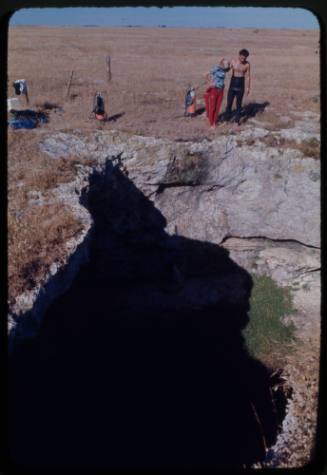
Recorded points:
(213, 99)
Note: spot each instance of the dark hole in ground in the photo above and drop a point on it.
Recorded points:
(142, 362)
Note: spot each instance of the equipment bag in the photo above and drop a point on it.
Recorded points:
(99, 108)
(190, 102)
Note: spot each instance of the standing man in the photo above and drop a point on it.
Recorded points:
(240, 69)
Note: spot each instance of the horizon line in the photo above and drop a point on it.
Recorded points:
(163, 26)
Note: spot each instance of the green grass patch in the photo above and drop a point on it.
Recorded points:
(267, 338)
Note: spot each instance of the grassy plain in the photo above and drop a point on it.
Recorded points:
(151, 69)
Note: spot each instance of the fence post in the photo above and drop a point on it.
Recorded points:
(109, 67)
(69, 83)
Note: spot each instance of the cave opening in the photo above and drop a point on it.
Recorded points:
(142, 362)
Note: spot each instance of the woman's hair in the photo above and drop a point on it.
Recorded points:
(244, 52)
(225, 64)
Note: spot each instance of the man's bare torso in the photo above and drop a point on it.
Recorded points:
(239, 69)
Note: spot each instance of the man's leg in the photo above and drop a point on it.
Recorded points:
(239, 98)
(230, 99)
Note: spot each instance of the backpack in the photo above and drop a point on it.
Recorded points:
(98, 107)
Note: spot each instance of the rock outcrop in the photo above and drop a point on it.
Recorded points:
(260, 203)
(214, 190)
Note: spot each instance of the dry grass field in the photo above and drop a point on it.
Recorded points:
(151, 69)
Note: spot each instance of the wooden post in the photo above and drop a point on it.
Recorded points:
(109, 67)
(27, 98)
(69, 83)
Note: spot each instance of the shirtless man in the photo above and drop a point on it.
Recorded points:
(240, 69)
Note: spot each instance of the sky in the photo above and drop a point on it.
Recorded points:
(199, 17)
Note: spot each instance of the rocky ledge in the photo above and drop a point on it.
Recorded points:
(261, 203)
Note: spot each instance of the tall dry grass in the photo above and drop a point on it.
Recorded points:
(36, 239)
(38, 226)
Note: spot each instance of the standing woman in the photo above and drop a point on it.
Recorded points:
(214, 94)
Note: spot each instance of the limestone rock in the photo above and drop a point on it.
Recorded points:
(285, 262)
(211, 190)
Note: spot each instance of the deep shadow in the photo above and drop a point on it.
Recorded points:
(115, 117)
(72, 97)
(200, 111)
(142, 363)
(248, 111)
